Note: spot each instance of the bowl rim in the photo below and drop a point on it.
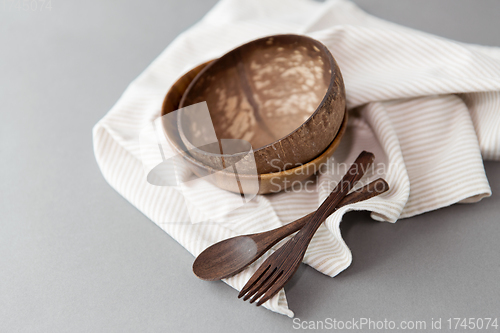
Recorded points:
(325, 154)
(267, 176)
(334, 70)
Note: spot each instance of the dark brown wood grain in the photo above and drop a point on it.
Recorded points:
(231, 256)
(279, 268)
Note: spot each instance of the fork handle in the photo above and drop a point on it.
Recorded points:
(353, 175)
(368, 191)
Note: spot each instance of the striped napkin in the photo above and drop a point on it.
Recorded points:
(426, 106)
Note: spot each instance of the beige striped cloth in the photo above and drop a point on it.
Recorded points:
(426, 106)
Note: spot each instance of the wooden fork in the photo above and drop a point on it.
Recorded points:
(279, 267)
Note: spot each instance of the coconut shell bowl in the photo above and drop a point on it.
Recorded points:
(283, 94)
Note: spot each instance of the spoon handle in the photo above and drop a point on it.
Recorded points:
(214, 264)
(368, 191)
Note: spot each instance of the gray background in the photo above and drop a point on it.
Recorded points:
(76, 257)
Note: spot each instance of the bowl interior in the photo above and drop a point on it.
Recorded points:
(264, 90)
(267, 183)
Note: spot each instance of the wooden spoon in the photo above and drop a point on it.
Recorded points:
(231, 256)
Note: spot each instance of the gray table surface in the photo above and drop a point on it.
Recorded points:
(76, 257)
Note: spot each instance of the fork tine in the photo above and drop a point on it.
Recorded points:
(277, 285)
(258, 285)
(270, 293)
(255, 277)
(266, 286)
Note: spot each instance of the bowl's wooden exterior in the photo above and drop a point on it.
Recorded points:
(267, 183)
(305, 140)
